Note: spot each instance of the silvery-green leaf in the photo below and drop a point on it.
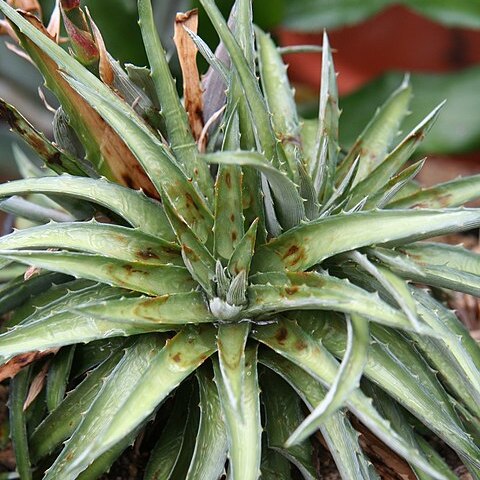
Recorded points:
(279, 96)
(313, 242)
(337, 431)
(210, 454)
(133, 206)
(54, 429)
(196, 257)
(122, 243)
(322, 170)
(394, 160)
(176, 120)
(283, 414)
(449, 194)
(146, 374)
(312, 291)
(231, 342)
(150, 279)
(289, 340)
(244, 435)
(373, 143)
(346, 381)
(288, 204)
(155, 158)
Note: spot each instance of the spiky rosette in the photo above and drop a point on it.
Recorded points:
(232, 272)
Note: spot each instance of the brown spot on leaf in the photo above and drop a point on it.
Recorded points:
(228, 180)
(292, 290)
(191, 255)
(300, 345)
(294, 254)
(146, 254)
(190, 201)
(232, 217)
(177, 358)
(234, 235)
(281, 335)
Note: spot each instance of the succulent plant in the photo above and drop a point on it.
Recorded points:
(225, 269)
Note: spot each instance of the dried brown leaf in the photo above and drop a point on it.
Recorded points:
(36, 386)
(105, 67)
(123, 167)
(187, 55)
(54, 25)
(13, 366)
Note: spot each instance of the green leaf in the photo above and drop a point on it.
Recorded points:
(373, 143)
(164, 455)
(324, 162)
(443, 266)
(61, 422)
(196, 257)
(127, 244)
(283, 414)
(155, 158)
(150, 279)
(449, 194)
(280, 99)
(397, 367)
(170, 309)
(133, 206)
(19, 386)
(395, 160)
(176, 120)
(259, 114)
(144, 377)
(228, 227)
(243, 253)
(397, 186)
(99, 312)
(346, 381)
(19, 290)
(288, 203)
(54, 158)
(244, 434)
(231, 342)
(313, 291)
(393, 413)
(311, 243)
(341, 438)
(210, 454)
(393, 285)
(289, 340)
(57, 378)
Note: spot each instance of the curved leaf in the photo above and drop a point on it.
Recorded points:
(287, 339)
(337, 431)
(133, 206)
(150, 279)
(311, 243)
(146, 374)
(283, 412)
(346, 381)
(155, 158)
(312, 291)
(103, 239)
(449, 194)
